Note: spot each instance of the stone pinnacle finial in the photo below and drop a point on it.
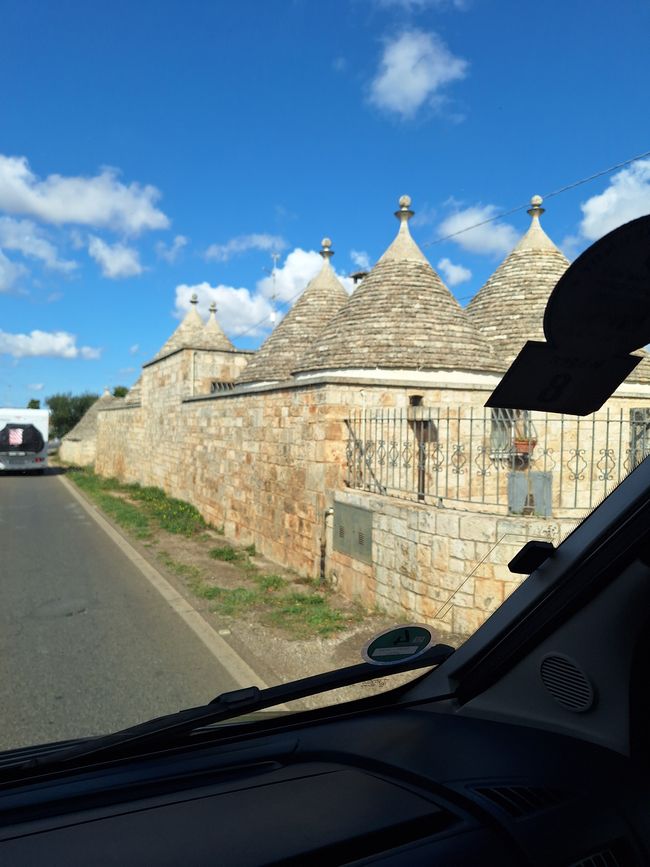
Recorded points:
(213, 308)
(405, 213)
(536, 209)
(326, 251)
(194, 299)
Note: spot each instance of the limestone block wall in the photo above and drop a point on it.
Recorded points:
(121, 448)
(267, 464)
(218, 365)
(77, 453)
(447, 567)
(257, 464)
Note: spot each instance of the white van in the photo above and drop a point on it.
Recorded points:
(23, 439)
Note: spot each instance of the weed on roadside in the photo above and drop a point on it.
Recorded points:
(227, 553)
(138, 508)
(301, 614)
(183, 569)
(123, 513)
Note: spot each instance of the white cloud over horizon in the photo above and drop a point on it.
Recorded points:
(171, 252)
(115, 260)
(25, 237)
(626, 197)
(10, 273)
(361, 259)
(255, 312)
(36, 386)
(420, 5)
(100, 201)
(452, 273)
(51, 344)
(414, 67)
(243, 243)
(492, 238)
(238, 310)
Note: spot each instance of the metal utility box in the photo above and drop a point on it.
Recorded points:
(353, 531)
(530, 493)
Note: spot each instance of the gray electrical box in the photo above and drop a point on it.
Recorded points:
(530, 493)
(353, 531)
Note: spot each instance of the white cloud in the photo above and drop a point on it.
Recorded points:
(360, 259)
(339, 64)
(134, 349)
(115, 260)
(453, 274)
(424, 216)
(238, 309)
(54, 296)
(36, 386)
(10, 273)
(626, 197)
(244, 243)
(299, 268)
(492, 238)
(421, 5)
(414, 67)
(53, 344)
(101, 201)
(241, 309)
(27, 238)
(170, 252)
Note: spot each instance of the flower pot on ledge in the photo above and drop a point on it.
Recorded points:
(524, 446)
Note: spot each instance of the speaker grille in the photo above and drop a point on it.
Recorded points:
(567, 683)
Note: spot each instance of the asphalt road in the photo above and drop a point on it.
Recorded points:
(87, 645)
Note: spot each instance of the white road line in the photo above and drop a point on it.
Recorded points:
(238, 669)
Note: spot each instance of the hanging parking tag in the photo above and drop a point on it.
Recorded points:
(399, 644)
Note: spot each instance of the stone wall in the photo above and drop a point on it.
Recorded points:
(77, 453)
(444, 566)
(267, 464)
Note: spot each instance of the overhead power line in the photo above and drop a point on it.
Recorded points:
(546, 196)
(492, 219)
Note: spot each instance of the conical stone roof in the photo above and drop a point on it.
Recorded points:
(86, 427)
(193, 333)
(213, 333)
(134, 394)
(401, 316)
(278, 355)
(509, 309)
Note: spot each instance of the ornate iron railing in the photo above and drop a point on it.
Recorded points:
(522, 463)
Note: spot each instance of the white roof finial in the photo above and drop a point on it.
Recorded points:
(405, 213)
(213, 308)
(194, 299)
(326, 251)
(536, 209)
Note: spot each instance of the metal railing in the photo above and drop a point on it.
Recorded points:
(521, 463)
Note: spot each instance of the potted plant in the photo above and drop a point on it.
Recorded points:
(523, 440)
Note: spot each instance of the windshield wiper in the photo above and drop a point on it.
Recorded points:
(230, 705)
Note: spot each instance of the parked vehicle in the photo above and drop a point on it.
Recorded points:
(23, 439)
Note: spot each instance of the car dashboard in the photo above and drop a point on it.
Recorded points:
(414, 786)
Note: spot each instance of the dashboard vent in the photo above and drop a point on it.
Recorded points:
(567, 683)
(520, 801)
(616, 855)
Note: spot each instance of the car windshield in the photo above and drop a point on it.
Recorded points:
(261, 268)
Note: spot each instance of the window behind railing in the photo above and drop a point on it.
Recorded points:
(521, 462)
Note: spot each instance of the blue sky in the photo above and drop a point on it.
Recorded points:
(151, 148)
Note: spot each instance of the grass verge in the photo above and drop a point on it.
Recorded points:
(139, 509)
(302, 614)
(301, 609)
